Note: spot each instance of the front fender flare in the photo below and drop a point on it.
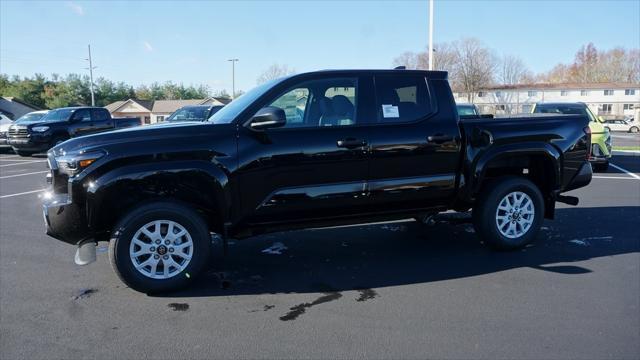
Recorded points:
(200, 182)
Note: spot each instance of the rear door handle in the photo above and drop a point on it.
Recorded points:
(439, 138)
(351, 143)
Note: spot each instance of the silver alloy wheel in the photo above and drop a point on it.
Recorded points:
(161, 249)
(515, 214)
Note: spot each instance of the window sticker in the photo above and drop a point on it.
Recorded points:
(390, 111)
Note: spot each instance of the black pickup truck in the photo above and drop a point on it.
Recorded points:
(31, 136)
(316, 149)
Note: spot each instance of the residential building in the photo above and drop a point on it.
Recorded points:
(609, 100)
(151, 112)
(14, 108)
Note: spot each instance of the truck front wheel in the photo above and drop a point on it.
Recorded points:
(508, 213)
(159, 247)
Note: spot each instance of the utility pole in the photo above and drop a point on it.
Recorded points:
(90, 68)
(430, 34)
(233, 78)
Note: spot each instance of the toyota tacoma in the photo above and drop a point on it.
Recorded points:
(316, 149)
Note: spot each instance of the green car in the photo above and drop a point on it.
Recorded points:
(600, 137)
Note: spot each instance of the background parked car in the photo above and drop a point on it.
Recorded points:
(194, 113)
(600, 136)
(29, 136)
(467, 110)
(5, 123)
(631, 125)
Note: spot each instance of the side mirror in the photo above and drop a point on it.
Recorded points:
(601, 119)
(268, 117)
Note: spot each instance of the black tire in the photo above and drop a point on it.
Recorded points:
(23, 153)
(634, 129)
(58, 140)
(126, 228)
(485, 209)
(602, 167)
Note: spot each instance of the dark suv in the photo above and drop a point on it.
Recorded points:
(32, 135)
(194, 113)
(316, 149)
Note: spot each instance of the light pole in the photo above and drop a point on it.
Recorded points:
(90, 68)
(430, 34)
(233, 78)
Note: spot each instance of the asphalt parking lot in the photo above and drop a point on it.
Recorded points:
(394, 290)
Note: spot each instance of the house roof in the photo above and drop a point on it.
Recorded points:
(114, 106)
(16, 100)
(163, 106)
(564, 86)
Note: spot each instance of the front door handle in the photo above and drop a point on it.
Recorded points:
(351, 143)
(439, 138)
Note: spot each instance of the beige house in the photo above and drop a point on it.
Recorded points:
(609, 100)
(156, 111)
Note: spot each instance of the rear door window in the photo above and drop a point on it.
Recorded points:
(402, 98)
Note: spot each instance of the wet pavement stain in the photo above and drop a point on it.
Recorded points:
(302, 308)
(178, 307)
(366, 294)
(264, 308)
(84, 293)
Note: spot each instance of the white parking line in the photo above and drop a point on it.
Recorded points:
(31, 173)
(20, 160)
(24, 163)
(608, 177)
(22, 193)
(626, 171)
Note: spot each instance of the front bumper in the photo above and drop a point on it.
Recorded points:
(63, 219)
(31, 143)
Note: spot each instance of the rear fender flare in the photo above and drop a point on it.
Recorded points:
(545, 150)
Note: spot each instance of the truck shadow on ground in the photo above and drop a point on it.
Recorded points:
(402, 253)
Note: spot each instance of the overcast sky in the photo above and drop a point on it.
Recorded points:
(189, 42)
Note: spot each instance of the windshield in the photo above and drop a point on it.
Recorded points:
(56, 115)
(30, 117)
(464, 110)
(228, 113)
(192, 113)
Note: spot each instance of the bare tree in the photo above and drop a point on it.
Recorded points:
(475, 66)
(409, 60)
(273, 72)
(512, 70)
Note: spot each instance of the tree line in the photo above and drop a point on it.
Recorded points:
(74, 89)
(473, 66)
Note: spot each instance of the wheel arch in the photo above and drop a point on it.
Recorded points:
(198, 184)
(538, 162)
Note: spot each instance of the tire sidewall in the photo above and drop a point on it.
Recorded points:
(124, 231)
(485, 219)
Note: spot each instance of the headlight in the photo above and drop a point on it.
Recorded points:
(40, 128)
(74, 164)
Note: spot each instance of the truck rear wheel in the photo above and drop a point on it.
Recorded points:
(159, 247)
(508, 213)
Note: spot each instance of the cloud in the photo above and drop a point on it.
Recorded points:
(147, 46)
(75, 8)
